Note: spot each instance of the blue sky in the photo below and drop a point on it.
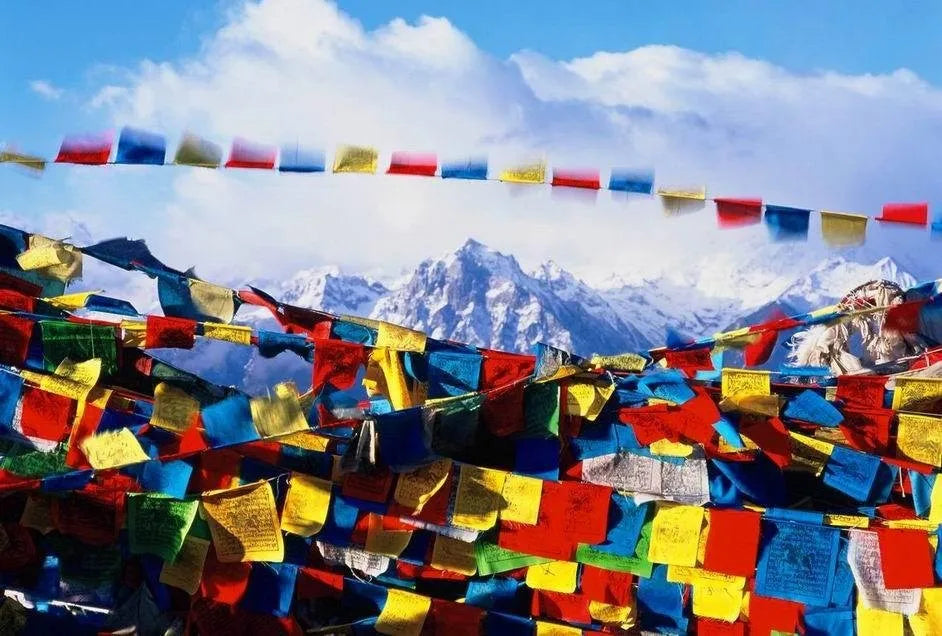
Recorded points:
(808, 112)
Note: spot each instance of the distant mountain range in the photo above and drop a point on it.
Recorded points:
(481, 296)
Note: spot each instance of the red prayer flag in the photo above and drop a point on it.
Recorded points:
(606, 586)
(314, 583)
(499, 368)
(336, 362)
(245, 154)
(733, 542)
(223, 582)
(45, 415)
(867, 430)
(453, 619)
(732, 213)
(690, 360)
(906, 557)
(85, 149)
(904, 317)
(861, 390)
(502, 412)
(165, 332)
(16, 301)
(911, 213)
(770, 436)
(373, 486)
(14, 339)
(758, 352)
(570, 608)
(423, 164)
(766, 614)
(576, 178)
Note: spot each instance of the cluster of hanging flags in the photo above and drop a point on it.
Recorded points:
(423, 486)
(137, 147)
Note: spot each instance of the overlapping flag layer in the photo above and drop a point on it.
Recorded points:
(421, 486)
(784, 223)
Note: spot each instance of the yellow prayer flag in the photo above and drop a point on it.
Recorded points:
(174, 409)
(212, 300)
(37, 164)
(278, 414)
(675, 534)
(186, 570)
(527, 173)
(134, 333)
(40, 257)
(611, 614)
(917, 394)
(876, 622)
(403, 614)
(70, 265)
(768, 405)
(112, 449)
(697, 576)
(695, 193)
(72, 379)
(308, 440)
(70, 302)
(389, 543)
(911, 524)
(414, 489)
(356, 159)
(236, 334)
(521, 498)
(928, 620)
(631, 362)
(716, 600)
(586, 399)
(244, 523)
(392, 378)
(847, 521)
(400, 338)
(935, 502)
(809, 454)
(306, 505)
(670, 449)
(919, 438)
(743, 382)
(841, 229)
(554, 576)
(544, 628)
(478, 499)
(454, 555)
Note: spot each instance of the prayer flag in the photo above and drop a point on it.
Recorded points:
(297, 159)
(841, 229)
(356, 159)
(89, 150)
(808, 578)
(675, 534)
(403, 614)
(625, 180)
(29, 161)
(695, 193)
(475, 169)
(738, 212)
(423, 164)
(911, 213)
(244, 523)
(906, 558)
(158, 524)
(787, 224)
(246, 154)
(569, 178)
(306, 505)
(530, 173)
(199, 152)
(732, 542)
(140, 147)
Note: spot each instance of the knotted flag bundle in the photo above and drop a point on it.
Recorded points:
(423, 486)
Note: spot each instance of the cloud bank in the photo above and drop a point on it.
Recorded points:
(302, 71)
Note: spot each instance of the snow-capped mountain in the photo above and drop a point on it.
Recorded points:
(478, 295)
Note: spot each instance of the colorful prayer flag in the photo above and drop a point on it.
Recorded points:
(297, 159)
(737, 212)
(199, 152)
(140, 147)
(911, 213)
(356, 159)
(530, 173)
(787, 224)
(475, 169)
(423, 164)
(588, 179)
(89, 150)
(841, 229)
(246, 154)
(625, 180)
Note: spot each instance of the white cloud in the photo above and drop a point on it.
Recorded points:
(46, 89)
(302, 70)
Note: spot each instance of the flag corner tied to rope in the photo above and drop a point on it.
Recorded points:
(139, 147)
(198, 152)
(88, 149)
(361, 159)
(843, 229)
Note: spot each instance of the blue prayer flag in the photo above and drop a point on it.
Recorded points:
(851, 472)
(270, 589)
(470, 169)
(170, 478)
(11, 385)
(797, 561)
(229, 421)
(140, 147)
(296, 159)
(812, 407)
(661, 603)
(787, 224)
(624, 180)
(453, 373)
(403, 440)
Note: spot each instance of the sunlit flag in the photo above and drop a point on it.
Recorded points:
(245, 154)
(140, 147)
(423, 164)
(90, 150)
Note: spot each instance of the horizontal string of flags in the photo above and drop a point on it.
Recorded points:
(138, 147)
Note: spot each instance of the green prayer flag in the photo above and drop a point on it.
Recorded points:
(541, 409)
(78, 342)
(26, 461)
(157, 524)
(637, 565)
(493, 559)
